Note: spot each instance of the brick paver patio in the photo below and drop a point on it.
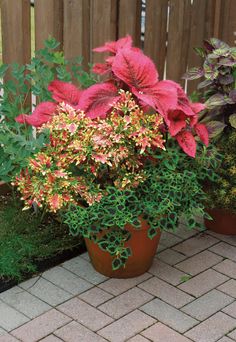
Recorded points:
(189, 294)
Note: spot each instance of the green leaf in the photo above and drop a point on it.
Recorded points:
(215, 128)
(116, 264)
(199, 51)
(193, 73)
(3, 70)
(232, 120)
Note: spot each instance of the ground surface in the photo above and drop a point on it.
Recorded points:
(189, 294)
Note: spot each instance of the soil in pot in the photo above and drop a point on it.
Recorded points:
(224, 221)
(143, 252)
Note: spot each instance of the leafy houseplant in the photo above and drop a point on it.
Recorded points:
(118, 161)
(18, 142)
(219, 71)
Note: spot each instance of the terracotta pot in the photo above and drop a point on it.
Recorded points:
(224, 222)
(143, 252)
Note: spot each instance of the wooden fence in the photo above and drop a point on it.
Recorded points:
(172, 28)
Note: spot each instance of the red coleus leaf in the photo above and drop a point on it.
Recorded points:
(202, 132)
(184, 103)
(197, 107)
(42, 114)
(135, 69)
(125, 42)
(187, 143)
(65, 92)
(176, 121)
(100, 68)
(98, 99)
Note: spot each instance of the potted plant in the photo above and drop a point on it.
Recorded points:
(218, 91)
(121, 163)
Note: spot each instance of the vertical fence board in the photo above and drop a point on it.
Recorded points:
(15, 18)
(77, 29)
(103, 24)
(227, 30)
(48, 21)
(178, 39)
(202, 27)
(130, 20)
(155, 37)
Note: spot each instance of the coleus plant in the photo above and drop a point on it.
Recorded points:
(218, 86)
(127, 68)
(103, 173)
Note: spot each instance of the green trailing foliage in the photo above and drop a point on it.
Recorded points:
(222, 194)
(17, 142)
(172, 190)
(27, 238)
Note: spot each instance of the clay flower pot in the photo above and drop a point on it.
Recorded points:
(143, 252)
(224, 221)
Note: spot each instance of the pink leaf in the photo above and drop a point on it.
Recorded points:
(135, 69)
(100, 68)
(176, 122)
(187, 143)
(98, 99)
(65, 92)
(197, 107)
(202, 132)
(42, 114)
(125, 42)
(162, 97)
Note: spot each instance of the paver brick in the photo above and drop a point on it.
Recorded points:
(2, 331)
(171, 257)
(51, 338)
(207, 305)
(169, 240)
(85, 256)
(10, 318)
(231, 309)
(41, 326)
(229, 288)
(24, 302)
(233, 335)
(118, 286)
(160, 248)
(225, 250)
(199, 262)
(8, 338)
(166, 292)
(127, 326)
(185, 233)
(75, 332)
(84, 269)
(169, 315)
(138, 338)
(85, 314)
(227, 267)
(225, 339)
(195, 244)
(212, 329)
(161, 333)
(231, 239)
(166, 272)
(95, 296)
(46, 291)
(203, 282)
(125, 303)
(67, 280)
